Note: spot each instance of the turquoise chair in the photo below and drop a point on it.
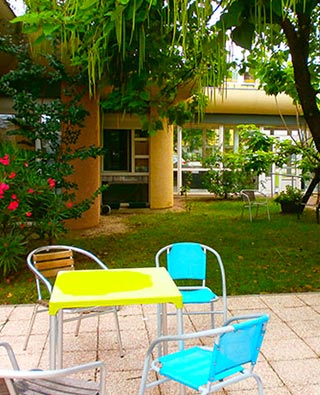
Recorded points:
(231, 359)
(188, 262)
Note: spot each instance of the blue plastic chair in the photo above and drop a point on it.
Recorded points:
(188, 261)
(231, 359)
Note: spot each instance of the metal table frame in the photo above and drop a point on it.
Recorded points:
(116, 287)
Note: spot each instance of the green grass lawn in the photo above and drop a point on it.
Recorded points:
(281, 255)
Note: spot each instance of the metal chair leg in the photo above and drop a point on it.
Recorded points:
(33, 317)
(78, 324)
(118, 333)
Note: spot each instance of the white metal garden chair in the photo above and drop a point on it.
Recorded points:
(51, 382)
(231, 357)
(45, 262)
(253, 200)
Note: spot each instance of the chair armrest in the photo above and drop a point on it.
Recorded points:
(245, 196)
(241, 318)
(50, 374)
(188, 336)
(207, 333)
(11, 355)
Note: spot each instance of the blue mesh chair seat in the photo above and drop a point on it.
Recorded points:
(231, 359)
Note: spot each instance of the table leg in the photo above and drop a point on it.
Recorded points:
(164, 326)
(59, 346)
(53, 341)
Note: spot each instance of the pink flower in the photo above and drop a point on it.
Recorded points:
(5, 160)
(13, 205)
(31, 190)
(14, 197)
(28, 214)
(3, 187)
(69, 204)
(12, 175)
(51, 182)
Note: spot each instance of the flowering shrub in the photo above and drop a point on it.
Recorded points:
(30, 204)
(37, 194)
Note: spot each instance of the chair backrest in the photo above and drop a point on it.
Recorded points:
(186, 261)
(50, 263)
(248, 194)
(45, 262)
(238, 347)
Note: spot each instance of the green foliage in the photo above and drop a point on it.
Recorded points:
(240, 169)
(36, 194)
(230, 178)
(30, 204)
(146, 51)
(290, 195)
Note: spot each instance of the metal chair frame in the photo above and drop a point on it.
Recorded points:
(231, 359)
(254, 199)
(188, 261)
(45, 262)
(57, 382)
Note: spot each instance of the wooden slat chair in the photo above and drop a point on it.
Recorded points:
(45, 262)
(50, 382)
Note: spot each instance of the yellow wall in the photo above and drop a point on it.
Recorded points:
(161, 168)
(87, 172)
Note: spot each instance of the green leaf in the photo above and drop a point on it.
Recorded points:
(144, 95)
(29, 29)
(49, 28)
(89, 4)
(242, 35)
(40, 39)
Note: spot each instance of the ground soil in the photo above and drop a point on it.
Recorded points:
(117, 220)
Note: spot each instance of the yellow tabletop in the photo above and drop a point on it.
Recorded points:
(116, 287)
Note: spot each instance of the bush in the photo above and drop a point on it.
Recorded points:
(289, 195)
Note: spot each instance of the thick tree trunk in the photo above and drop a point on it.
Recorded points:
(298, 39)
(314, 182)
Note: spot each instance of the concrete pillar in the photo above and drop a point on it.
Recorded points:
(161, 168)
(87, 172)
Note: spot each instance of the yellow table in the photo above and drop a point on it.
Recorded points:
(116, 287)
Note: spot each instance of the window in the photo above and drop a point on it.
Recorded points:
(126, 151)
(117, 148)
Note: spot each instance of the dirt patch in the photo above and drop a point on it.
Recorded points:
(109, 224)
(116, 222)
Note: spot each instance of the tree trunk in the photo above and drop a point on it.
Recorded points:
(314, 182)
(298, 40)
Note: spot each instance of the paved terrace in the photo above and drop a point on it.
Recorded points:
(289, 363)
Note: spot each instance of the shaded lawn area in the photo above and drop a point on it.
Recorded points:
(277, 256)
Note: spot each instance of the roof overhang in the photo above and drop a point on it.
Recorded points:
(248, 99)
